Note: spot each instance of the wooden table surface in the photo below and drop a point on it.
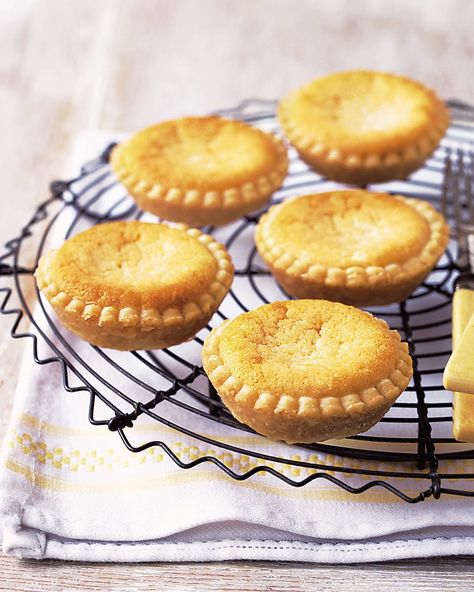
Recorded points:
(122, 64)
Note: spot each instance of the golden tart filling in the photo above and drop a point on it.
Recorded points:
(307, 370)
(364, 127)
(356, 247)
(135, 285)
(201, 170)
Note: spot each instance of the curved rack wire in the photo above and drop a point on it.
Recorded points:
(410, 453)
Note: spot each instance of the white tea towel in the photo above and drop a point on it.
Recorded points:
(71, 490)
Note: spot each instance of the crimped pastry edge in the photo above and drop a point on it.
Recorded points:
(145, 318)
(384, 392)
(411, 156)
(252, 192)
(356, 276)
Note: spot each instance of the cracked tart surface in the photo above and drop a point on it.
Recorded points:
(307, 370)
(353, 246)
(136, 285)
(364, 127)
(201, 170)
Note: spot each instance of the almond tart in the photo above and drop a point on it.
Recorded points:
(353, 246)
(364, 127)
(135, 285)
(201, 170)
(307, 370)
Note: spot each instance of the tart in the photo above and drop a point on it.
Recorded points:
(135, 285)
(364, 127)
(353, 246)
(307, 370)
(201, 170)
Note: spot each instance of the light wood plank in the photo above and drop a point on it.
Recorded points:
(415, 576)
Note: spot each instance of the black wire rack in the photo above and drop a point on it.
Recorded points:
(410, 453)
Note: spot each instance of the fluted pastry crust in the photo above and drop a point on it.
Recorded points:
(356, 247)
(307, 370)
(134, 285)
(201, 170)
(364, 127)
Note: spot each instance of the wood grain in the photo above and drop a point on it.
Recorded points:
(121, 64)
(413, 576)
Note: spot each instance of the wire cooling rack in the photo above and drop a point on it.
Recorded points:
(410, 452)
